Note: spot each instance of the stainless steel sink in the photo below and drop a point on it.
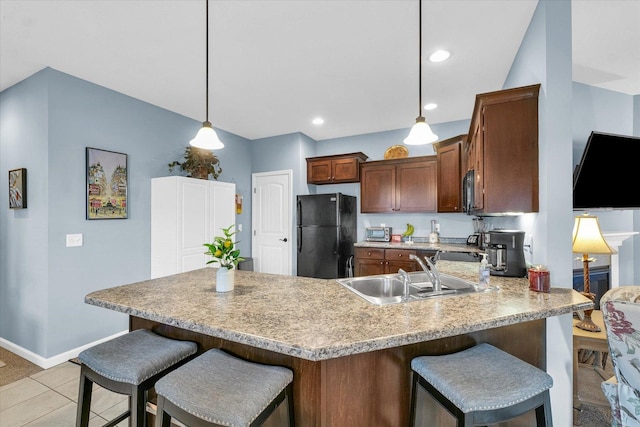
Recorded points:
(388, 288)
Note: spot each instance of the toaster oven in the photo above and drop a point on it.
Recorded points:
(378, 234)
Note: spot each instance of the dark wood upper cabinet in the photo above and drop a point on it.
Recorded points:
(336, 169)
(400, 185)
(450, 173)
(502, 150)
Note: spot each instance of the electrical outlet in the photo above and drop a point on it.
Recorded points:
(528, 243)
(74, 240)
(239, 227)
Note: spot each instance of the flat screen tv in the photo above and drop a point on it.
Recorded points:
(607, 174)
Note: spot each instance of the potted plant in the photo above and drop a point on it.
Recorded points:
(223, 250)
(198, 163)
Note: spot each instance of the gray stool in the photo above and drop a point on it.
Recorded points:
(129, 364)
(483, 385)
(217, 389)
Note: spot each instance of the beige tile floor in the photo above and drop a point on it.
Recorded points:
(49, 398)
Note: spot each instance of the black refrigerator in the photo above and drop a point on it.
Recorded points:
(327, 230)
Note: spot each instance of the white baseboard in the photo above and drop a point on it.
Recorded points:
(46, 363)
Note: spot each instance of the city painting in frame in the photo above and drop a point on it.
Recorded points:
(106, 184)
(18, 188)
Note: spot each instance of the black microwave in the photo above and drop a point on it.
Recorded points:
(468, 192)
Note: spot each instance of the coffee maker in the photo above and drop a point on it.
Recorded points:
(505, 250)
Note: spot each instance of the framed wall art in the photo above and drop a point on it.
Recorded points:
(18, 188)
(106, 184)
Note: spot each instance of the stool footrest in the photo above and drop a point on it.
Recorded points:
(123, 416)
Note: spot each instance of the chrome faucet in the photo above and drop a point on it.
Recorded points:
(407, 281)
(431, 271)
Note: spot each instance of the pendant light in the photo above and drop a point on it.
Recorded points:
(206, 137)
(420, 133)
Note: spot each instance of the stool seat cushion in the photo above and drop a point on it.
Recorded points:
(135, 357)
(482, 378)
(223, 389)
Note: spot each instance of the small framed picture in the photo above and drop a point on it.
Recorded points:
(106, 184)
(18, 188)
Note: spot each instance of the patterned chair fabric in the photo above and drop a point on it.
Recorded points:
(621, 313)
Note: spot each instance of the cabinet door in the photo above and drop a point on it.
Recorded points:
(377, 188)
(369, 267)
(511, 156)
(222, 210)
(392, 267)
(319, 171)
(345, 170)
(369, 261)
(416, 187)
(193, 223)
(449, 178)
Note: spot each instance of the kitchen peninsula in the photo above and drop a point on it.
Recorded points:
(351, 359)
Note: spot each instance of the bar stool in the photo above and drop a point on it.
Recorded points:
(130, 364)
(218, 389)
(483, 385)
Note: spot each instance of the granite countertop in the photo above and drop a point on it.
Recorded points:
(318, 319)
(441, 246)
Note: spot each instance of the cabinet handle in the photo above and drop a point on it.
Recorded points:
(368, 253)
(399, 255)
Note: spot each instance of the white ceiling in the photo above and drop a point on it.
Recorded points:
(275, 65)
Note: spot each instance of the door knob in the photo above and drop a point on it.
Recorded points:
(284, 240)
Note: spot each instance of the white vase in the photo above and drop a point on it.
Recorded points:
(225, 279)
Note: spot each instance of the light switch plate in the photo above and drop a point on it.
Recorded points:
(74, 240)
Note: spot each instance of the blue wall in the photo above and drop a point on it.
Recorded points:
(24, 252)
(545, 57)
(47, 121)
(600, 110)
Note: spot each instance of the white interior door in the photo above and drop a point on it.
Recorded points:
(271, 222)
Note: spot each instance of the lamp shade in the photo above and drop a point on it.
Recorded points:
(420, 133)
(587, 237)
(207, 138)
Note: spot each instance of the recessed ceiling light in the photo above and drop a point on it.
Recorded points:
(439, 56)
(318, 121)
(431, 106)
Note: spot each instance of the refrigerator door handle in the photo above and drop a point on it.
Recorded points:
(299, 239)
(299, 212)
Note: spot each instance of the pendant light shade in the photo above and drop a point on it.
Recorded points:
(420, 133)
(207, 138)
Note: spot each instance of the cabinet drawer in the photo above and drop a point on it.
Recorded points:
(398, 254)
(370, 253)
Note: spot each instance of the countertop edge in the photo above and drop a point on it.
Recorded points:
(331, 352)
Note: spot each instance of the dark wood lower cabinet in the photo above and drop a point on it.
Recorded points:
(373, 261)
(368, 389)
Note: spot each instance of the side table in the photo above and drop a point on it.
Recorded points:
(595, 341)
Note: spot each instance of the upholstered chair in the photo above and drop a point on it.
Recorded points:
(621, 312)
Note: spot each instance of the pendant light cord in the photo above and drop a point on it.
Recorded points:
(420, 58)
(206, 44)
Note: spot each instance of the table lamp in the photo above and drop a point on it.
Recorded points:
(588, 239)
